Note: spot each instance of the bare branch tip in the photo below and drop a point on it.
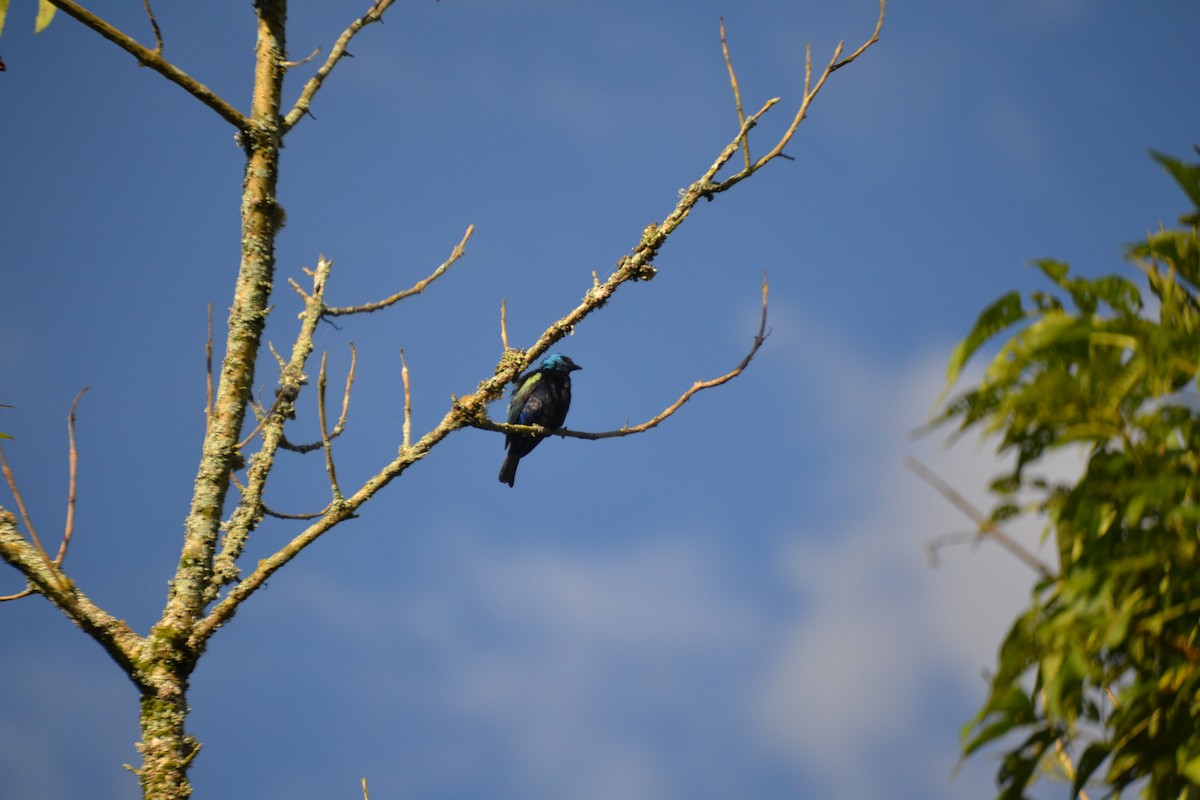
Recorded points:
(406, 428)
(301, 62)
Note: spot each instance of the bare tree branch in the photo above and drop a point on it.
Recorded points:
(811, 90)
(737, 95)
(986, 526)
(280, 515)
(158, 40)
(28, 590)
(263, 415)
(406, 430)
(208, 373)
(341, 423)
(46, 578)
(374, 14)
(504, 323)
(326, 445)
(626, 430)
(155, 61)
(249, 513)
(301, 62)
(72, 481)
(20, 500)
(417, 288)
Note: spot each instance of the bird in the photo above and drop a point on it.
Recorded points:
(542, 397)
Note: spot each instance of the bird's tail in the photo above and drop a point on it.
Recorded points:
(508, 470)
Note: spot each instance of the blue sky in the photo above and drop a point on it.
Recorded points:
(737, 604)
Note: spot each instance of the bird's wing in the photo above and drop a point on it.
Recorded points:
(521, 397)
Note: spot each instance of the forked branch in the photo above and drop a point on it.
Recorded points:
(52, 564)
(158, 40)
(249, 511)
(155, 61)
(336, 53)
(811, 90)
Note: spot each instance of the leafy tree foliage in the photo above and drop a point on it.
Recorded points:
(1101, 675)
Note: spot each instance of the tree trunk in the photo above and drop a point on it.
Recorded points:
(166, 749)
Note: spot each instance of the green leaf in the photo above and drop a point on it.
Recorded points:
(1081, 290)
(1052, 331)
(1008, 709)
(1089, 762)
(1178, 249)
(1186, 175)
(1018, 766)
(1054, 270)
(3, 13)
(1120, 295)
(995, 318)
(45, 13)
(1192, 770)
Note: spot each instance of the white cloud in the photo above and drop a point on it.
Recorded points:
(883, 639)
(591, 649)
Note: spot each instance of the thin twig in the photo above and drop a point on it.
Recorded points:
(262, 420)
(737, 94)
(504, 324)
(374, 14)
(341, 423)
(303, 294)
(407, 427)
(417, 288)
(325, 443)
(16, 493)
(311, 56)
(208, 375)
(158, 40)
(278, 358)
(863, 47)
(280, 515)
(946, 540)
(155, 61)
(986, 526)
(72, 481)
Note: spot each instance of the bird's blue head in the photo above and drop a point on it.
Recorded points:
(560, 363)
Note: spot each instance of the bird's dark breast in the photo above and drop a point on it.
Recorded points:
(548, 403)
